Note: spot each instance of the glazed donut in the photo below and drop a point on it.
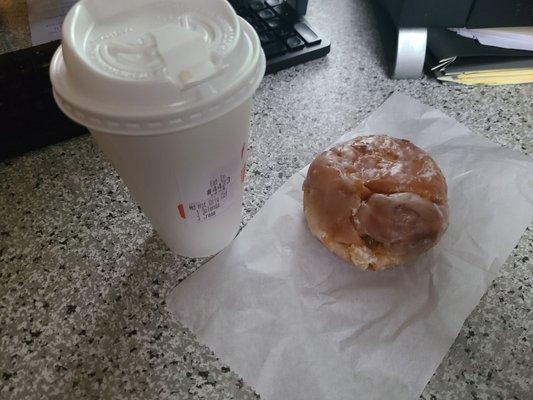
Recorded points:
(376, 201)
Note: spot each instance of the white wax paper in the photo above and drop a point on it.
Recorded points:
(296, 322)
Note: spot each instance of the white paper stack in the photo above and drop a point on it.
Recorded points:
(518, 38)
(46, 18)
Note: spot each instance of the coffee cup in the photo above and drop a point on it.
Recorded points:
(165, 88)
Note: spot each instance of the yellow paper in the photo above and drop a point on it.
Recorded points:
(483, 79)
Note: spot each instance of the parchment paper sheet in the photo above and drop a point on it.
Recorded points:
(297, 323)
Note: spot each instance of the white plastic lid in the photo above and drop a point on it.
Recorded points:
(154, 66)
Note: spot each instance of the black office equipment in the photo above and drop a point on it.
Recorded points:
(404, 25)
(29, 118)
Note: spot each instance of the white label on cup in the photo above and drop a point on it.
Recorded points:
(209, 197)
(215, 198)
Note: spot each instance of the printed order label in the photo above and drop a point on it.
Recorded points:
(216, 197)
(213, 196)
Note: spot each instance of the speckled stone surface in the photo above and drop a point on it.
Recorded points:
(14, 27)
(83, 276)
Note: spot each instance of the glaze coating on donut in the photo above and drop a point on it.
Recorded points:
(376, 201)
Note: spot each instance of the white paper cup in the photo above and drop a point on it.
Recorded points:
(169, 108)
(170, 175)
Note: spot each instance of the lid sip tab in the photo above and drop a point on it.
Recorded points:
(172, 41)
(177, 62)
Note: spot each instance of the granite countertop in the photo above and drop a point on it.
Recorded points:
(83, 276)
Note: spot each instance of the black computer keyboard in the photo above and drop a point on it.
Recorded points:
(29, 117)
(286, 38)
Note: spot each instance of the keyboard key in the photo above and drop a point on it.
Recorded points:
(237, 6)
(266, 37)
(257, 5)
(284, 31)
(274, 23)
(250, 18)
(284, 11)
(307, 33)
(274, 3)
(294, 43)
(274, 49)
(266, 14)
(259, 26)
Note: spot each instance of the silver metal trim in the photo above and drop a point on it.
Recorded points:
(410, 53)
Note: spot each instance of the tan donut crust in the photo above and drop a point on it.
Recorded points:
(376, 201)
